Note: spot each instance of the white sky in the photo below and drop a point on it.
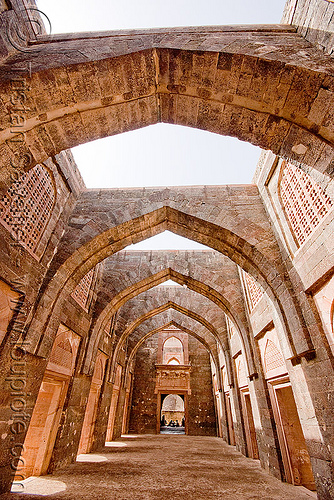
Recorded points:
(85, 15)
(162, 155)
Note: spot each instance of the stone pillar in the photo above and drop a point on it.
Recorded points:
(240, 438)
(22, 375)
(101, 423)
(70, 426)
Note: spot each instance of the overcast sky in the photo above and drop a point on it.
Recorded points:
(162, 155)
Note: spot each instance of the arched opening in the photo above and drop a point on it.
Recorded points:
(217, 238)
(135, 155)
(159, 279)
(228, 406)
(172, 414)
(173, 361)
(246, 408)
(114, 402)
(209, 332)
(87, 432)
(129, 375)
(40, 438)
(173, 352)
(216, 104)
(295, 456)
(192, 383)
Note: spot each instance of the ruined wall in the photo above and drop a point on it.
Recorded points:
(143, 415)
(314, 19)
(201, 410)
(25, 271)
(143, 418)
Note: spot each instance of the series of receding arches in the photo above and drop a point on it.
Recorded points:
(265, 94)
(225, 241)
(289, 71)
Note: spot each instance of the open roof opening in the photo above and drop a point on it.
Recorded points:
(169, 283)
(166, 155)
(167, 241)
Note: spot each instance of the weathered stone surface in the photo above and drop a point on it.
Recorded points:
(269, 85)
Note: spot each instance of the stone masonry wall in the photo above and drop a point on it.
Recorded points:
(202, 418)
(143, 415)
(143, 418)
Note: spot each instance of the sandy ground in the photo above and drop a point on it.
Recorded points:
(162, 467)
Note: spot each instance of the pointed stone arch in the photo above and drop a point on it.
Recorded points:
(153, 281)
(131, 80)
(174, 357)
(274, 281)
(191, 314)
(181, 327)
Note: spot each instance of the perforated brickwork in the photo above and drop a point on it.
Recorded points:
(255, 292)
(81, 292)
(26, 207)
(241, 373)
(231, 328)
(304, 201)
(62, 354)
(273, 358)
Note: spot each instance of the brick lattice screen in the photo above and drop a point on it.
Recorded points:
(304, 201)
(231, 328)
(62, 354)
(255, 292)
(81, 293)
(26, 207)
(273, 358)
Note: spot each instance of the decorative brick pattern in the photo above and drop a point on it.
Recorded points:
(26, 207)
(62, 354)
(255, 292)
(241, 374)
(273, 358)
(303, 200)
(81, 292)
(231, 328)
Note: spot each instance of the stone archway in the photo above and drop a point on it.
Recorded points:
(273, 280)
(140, 342)
(153, 281)
(202, 340)
(264, 93)
(164, 307)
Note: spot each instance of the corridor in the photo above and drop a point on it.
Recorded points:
(162, 467)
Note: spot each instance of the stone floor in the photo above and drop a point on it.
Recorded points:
(162, 467)
(172, 430)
